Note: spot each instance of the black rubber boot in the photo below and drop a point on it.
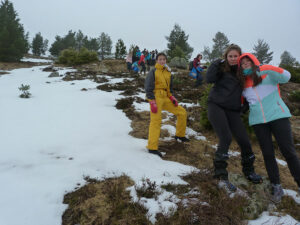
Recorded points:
(155, 152)
(277, 193)
(254, 178)
(182, 139)
(227, 185)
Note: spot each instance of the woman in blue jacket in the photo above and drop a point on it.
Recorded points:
(269, 115)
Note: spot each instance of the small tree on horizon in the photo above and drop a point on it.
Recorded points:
(221, 42)
(13, 40)
(261, 51)
(287, 59)
(105, 45)
(120, 49)
(39, 45)
(178, 45)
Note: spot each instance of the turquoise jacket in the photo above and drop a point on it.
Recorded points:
(265, 102)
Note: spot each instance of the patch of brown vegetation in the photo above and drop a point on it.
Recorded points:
(209, 206)
(104, 202)
(289, 206)
(19, 65)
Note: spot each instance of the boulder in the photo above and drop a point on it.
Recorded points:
(54, 74)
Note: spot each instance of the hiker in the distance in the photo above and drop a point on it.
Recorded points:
(142, 64)
(129, 61)
(269, 115)
(224, 106)
(197, 69)
(159, 92)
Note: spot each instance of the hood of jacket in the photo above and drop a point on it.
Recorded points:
(249, 55)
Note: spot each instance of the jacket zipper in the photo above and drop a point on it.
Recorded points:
(261, 107)
(280, 106)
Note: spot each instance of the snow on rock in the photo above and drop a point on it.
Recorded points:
(292, 194)
(267, 219)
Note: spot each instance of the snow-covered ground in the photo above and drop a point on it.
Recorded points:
(36, 60)
(50, 141)
(60, 134)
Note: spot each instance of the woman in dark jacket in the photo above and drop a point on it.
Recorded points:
(224, 106)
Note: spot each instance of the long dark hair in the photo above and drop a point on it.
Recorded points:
(256, 79)
(226, 67)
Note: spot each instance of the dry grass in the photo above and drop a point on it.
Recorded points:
(104, 203)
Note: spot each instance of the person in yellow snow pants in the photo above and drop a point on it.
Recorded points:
(159, 92)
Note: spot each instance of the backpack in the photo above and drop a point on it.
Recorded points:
(191, 65)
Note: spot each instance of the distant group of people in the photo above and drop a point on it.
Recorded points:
(140, 61)
(240, 82)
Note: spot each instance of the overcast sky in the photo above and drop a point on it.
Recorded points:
(146, 23)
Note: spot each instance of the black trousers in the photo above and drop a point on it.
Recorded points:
(281, 129)
(227, 123)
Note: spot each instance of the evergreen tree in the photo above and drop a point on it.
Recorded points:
(177, 43)
(287, 59)
(39, 45)
(261, 51)
(105, 45)
(120, 49)
(80, 40)
(92, 44)
(221, 42)
(13, 41)
(61, 43)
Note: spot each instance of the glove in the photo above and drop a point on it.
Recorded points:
(153, 106)
(204, 67)
(174, 100)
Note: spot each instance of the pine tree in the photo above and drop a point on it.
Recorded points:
(120, 49)
(221, 42)
(80, 40)
(177, 43)
(39, 45)
(13, 41)
(105, 44)
(92, 44)
(287, 59)
(61, 43)
(261, 52)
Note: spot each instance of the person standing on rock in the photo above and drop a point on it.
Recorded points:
(159, 92)
(269, 115)
(224, 107)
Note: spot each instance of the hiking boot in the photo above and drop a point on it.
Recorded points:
(254, 178)
(277, 193)
(229, 187)
(182, 139)
(155, 152)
